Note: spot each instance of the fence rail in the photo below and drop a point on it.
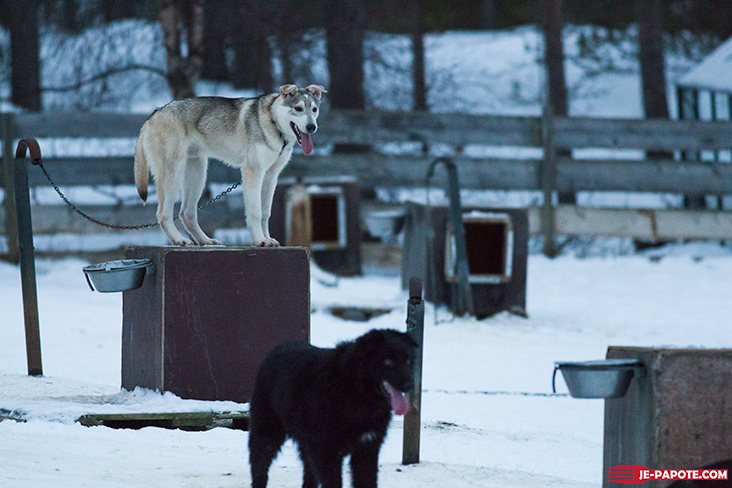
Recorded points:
(374, 169)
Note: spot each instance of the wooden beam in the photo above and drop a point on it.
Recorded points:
(648, 134)
(380, 170)
(650, 224)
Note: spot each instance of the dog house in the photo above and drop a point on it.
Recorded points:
(497, 251)
(335, 207)
(484, 232)
(329, 228)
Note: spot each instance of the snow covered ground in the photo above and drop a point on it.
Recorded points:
(489, 419)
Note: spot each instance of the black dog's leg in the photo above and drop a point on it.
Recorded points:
(265, 441)
(365, 465)
(328, 467)
(309, 479)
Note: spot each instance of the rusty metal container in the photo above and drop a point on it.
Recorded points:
(200, 326)
(678, 415)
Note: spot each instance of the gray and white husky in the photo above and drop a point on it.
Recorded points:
(255, 134)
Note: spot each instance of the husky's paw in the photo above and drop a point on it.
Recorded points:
(267, 242)
(211, 242)
(183, 242)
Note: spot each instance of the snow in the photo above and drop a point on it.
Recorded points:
(713, 73)
(489, 418)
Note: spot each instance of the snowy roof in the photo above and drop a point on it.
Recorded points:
(714, 72)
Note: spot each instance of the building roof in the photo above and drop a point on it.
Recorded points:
(714, 72)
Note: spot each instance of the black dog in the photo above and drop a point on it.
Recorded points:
(332, 402)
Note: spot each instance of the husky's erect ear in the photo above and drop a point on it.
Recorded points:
(316, 90)
(288, 90)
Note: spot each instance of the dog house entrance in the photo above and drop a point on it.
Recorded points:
(328, 210)
(489, 241)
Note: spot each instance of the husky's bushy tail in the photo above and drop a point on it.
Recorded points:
(142, 172)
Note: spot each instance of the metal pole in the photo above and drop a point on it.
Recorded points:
(415, 329)
(27, 255)
(11, 225)
(465, 293)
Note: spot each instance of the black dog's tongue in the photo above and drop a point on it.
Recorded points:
(399, 402)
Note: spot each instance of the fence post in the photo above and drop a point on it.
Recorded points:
(415, 329)
(11, 222)
(27, 254)
(548, 180)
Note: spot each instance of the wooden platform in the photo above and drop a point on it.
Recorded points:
(190, 421)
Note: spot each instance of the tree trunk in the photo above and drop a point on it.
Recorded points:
(652, 64)
(115, 10)
(252, 53)
(418, 65)
(183, 71)
(25, 78)
(489, 14)
(554, 55)
(345, 23)
(556, 85)
(217, 27)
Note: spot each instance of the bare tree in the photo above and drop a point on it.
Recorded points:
(556, 84)
(554, 55)
(179, 18)
(25, 78)
(252, 54)
(345, 26)
(418, 65)
(652, 62)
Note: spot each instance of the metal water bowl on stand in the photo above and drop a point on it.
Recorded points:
(609, 378)
(121, 275)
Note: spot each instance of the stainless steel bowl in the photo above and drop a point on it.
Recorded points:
(122, 275)
(607, 378)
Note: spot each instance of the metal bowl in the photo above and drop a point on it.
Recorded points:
(122, 275)
(607, 378)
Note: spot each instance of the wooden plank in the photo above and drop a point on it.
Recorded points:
(650, 134)
(665, 176)
(57, 219)
(114, 170)
(78, 124)
(369, 127)
(176, 420)
(374, 170)
(457, 129)
(650, 224)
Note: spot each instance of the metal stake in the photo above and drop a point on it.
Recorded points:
(464, 302)
(415, 329)
(27, 254)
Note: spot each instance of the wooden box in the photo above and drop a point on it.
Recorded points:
(200, 326)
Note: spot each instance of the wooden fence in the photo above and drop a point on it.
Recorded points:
(549, 174)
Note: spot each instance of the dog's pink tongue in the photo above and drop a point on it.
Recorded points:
(399, 402)
(306, 140)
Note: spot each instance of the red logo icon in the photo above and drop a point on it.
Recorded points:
(632, 474)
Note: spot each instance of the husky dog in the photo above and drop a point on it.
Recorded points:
(255, 134)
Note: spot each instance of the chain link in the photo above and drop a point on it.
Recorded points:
(124, 227)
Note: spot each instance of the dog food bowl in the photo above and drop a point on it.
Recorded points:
(607, 378)
(122, 275)
(385, 224)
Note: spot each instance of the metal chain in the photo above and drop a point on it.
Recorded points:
(124, 227)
